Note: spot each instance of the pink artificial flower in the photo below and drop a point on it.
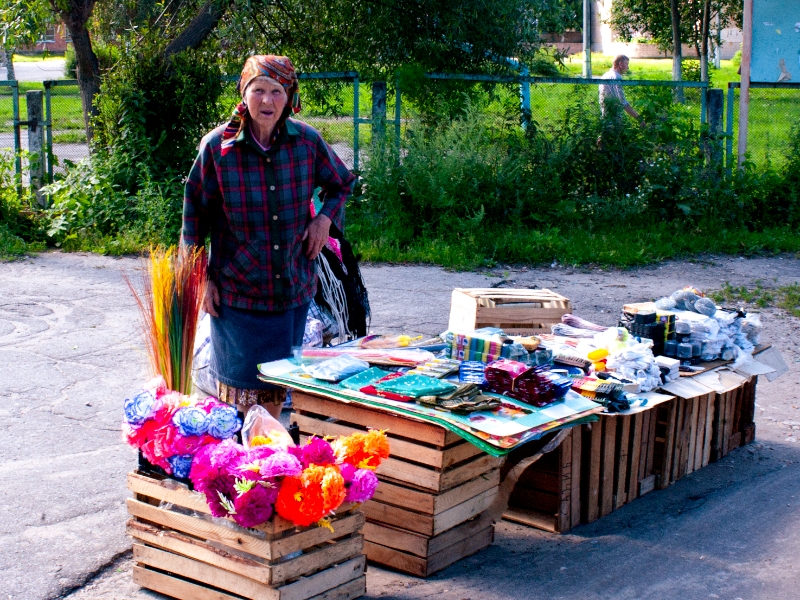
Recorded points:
(255, 506)
(317, 452)
(281, 464)
(362, 486)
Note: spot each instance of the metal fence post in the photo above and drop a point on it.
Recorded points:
(378, 114)
(355, 123)
(714, 119)
(17, 141)
(525, 100)
(729, 127)
(397, 116)
(703, 104)
(36, 142)
(48, 123)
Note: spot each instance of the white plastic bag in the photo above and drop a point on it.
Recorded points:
(262, 429)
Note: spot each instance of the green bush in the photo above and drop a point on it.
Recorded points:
(107, 57)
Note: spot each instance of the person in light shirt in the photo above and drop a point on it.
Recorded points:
(610, 93)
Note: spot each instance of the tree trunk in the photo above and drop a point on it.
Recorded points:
(75, 14)
(8, 59)
(677, 56)
(198, 30)
(706, 29)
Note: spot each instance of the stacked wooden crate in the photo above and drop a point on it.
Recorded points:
(430, 509)
(517, 312)
(181, 551)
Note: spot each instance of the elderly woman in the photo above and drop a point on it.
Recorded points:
(250, 189)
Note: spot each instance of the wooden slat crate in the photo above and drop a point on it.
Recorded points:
(684, 431)
(430, 509)
(547, 494)
(597, 469)
(518, 312)
(186, 555)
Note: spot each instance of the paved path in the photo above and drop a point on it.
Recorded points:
(40, 70)
(70, 352)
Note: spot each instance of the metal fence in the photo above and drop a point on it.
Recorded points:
(346, 110)
(65, 133)
(773, 115)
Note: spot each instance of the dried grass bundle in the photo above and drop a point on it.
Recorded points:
(172, 293)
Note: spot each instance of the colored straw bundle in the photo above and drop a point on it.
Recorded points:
(170, 301)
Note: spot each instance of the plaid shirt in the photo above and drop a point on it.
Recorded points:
(255, 204)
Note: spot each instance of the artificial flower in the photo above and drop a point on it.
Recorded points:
(281, 464)
(318, 452)
(141, 407)
(191, 420)
(362, 486)
(299, 503)
(223, 421)
(255, 506)
(363, 450)
(181, 465)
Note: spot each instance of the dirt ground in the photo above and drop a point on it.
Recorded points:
(70, 352)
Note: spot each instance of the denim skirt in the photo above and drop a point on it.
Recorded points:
(242, 339)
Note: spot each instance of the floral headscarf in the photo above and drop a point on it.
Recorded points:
(280, 69)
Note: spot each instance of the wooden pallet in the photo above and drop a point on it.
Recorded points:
(187, 555)
(518, 312)
(432, 485)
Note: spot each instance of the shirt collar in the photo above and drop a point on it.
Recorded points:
(288, 129)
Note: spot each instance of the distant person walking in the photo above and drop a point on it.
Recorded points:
(613, 94)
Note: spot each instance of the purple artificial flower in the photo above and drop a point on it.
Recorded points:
(214, 461)
(348, 471)
(362, 487)
(255, 506)
(281, 464)
(318, 452)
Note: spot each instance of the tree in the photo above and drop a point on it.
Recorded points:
(22, 23)
(669, 25)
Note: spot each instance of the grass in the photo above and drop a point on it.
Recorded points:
(786, 297)
(13, 246)
(70, 137)
(20, 58)
(621, 247)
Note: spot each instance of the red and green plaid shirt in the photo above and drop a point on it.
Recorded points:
(255, 204)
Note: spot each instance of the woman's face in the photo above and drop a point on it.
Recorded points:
(265, 99)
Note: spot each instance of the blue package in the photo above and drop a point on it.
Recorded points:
(472, 371)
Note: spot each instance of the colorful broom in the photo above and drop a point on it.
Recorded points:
(170, 301)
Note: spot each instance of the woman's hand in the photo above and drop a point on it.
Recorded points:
(316, 234)
(211, 298)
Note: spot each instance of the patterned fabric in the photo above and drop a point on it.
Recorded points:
(240, 398)
(611, 92)
(280, 69)
(255, 206)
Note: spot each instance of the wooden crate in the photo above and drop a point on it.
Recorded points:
(597, 469)
(684, 430)
(518, 312)
(430, 509)
(547, 495)
(186, 555)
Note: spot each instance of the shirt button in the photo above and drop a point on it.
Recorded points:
(269, 159)
(272, 188)
(277, 276)
(274, 217)
(275, 247)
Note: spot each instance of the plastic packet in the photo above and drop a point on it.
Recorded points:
(751, 327)
(262, 429)
(338, 368)
(665, 303)
(705, 306)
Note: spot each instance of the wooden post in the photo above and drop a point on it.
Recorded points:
(36, 142)
(378, 114)
(713, 146)
(744, 95)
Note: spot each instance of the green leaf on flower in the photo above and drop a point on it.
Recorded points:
(226, 504)
(244, 485)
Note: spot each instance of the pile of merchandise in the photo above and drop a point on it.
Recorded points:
(266, 474)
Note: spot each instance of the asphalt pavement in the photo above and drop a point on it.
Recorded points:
(70, 352)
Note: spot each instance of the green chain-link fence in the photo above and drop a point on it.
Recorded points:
(774, 113)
